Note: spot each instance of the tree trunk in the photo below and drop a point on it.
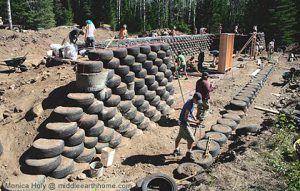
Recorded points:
(9, 15)
(144, 15)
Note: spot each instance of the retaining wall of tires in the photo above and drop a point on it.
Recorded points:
(229, 122)
(120, 92)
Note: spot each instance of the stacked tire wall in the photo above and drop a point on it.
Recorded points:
(120, 92)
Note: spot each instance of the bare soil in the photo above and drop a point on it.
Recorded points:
(144, 154)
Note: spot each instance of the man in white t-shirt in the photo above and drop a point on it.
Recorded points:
(203, 30)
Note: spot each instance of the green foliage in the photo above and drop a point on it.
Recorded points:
(183, 27)
(281, 155)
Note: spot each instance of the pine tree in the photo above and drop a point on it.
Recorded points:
(283, 21)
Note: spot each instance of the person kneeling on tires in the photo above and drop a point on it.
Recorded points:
(186, 117)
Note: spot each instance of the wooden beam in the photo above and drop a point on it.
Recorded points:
(267, 110)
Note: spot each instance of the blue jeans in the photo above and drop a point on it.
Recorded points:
(90, 42)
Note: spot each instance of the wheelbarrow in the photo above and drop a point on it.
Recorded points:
(16, 63)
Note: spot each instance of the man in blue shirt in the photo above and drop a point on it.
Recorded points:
(186, 117)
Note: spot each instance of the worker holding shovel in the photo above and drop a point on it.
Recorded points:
(185, 132)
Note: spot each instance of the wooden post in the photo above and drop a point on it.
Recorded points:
(226, 52)
(253, 45)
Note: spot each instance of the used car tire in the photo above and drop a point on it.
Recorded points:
(214, 149)
(200, 159)
(226, 130)
(114, 82)
(106, 135)
(129, 77)
(96, 130)
(90, 142)
(76, 139)
(95, 108)
(74, 151)
(108, 113)
(67, 114)
(229, 122)
(120, 53)
(89, 66)
(104, 94)
(48, 148)
(100, 146)
(128, 60)
(86, 156)
(65, 168)
(112, 64)
(161, 181)
(81, 99)
(61, 130)
(217, 136)
(144, 107)
(87, 121)
(113, 101)
(43, 166)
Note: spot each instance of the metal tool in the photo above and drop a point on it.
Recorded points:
(207, 147)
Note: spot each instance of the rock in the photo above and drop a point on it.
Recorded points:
(81, 176)
(12, 87)
(37, 110)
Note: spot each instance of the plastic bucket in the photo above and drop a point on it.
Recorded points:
(96, 169)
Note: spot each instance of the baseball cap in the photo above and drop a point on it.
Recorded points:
(198, 97)
(88, 21)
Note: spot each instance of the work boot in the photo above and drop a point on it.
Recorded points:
(190, 156)
(177, 152)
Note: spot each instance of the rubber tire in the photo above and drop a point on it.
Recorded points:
(108, 113)
(183, 174)
(141, 74)
(120, 90)
(158, 62)
(67, 114)
(147, 64)
(245, 129)
(229, 122)
(161, 90)
(130, 131)
(116, 140)
(141, 58)
(145, 124)
(134, 51)
(113, 101)
(165, 96)
(131, 113)
(73, 152)
(122, 70)
(61, 130)
(145, 49)
(165, 47)
(150, 112)
(90, 142)
(149, 79)
(144, 107)
(168, 180)
(100, 146)
(112, 64)
(129, 78)
(104, 94)
(226, 130)
(128, 60)
(129, 95)
(139, 118)
(43, 166)
(153, 70)
(155, 47)
(106, 135)
(155, 102)
(161, 54)
(150, 95)
(120, 53)
(114, 82)
(156, 117)
(234, 117)
(217, 136)
(65, 168)
(96, 130)
(86, 156)
(138, 100)
(237, 112)
(124, 106)
(164, 82)
(124, 126)
(139, 83)
(48, 148)
(81, 99)
(76, 139)
(204, 162)
(105, 55)
(95, 108)
(89, 66)
(141, 91)
(214, 149)
(159, 76)
(152, 56)
(114, 122)
(169, 87)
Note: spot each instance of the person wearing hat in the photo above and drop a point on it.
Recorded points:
(89, 34)
(74, 34)
(204, 87)
(186, 117)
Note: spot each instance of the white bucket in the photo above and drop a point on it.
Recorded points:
(107, 156)
(96, 169)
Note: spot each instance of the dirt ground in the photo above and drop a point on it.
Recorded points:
(144, 154)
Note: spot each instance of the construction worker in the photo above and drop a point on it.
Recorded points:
(203, 30)
(204, 87)
(186, 117)
(236, 29)
(271, 48)
(123, 32)
(215, 54)
(89, 35)
(181, 64)
(200, 60)
(74, 34)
